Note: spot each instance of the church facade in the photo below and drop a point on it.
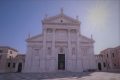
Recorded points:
(60, 46)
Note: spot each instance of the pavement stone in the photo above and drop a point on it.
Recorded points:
(62, 76)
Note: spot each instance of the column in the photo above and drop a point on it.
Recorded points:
(53, 43)
(78, 51)
(44, 43)
(26, 58)
(69, 43)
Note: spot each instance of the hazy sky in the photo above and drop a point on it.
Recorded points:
(19, 17)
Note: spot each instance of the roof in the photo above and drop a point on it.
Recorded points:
(9, 48)
(117, 47)
(22, 54)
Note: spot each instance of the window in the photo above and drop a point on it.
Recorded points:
(85, 52)
(8, 64)
(107, 55)
(115, 65)
(104, 64)
(10, 52)
(13, 65)
(10, 57)
(1, 50)
(0, 56)
(113, 54)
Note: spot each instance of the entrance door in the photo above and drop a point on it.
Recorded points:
(61, 61)
(19, 67)
(99, 66)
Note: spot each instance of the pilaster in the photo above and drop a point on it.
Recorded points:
(53, 42)
(78, 52)
(44, 42)
(69, 43)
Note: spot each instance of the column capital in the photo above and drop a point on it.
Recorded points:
(68, 29)
(44, 29)
(77, 30)
(53, 29)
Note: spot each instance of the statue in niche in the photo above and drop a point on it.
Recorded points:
(84, 52)
(49, 50)
(37, 52)
(73, 51)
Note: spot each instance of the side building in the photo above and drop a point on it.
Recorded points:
(10, 60)
(108, 59)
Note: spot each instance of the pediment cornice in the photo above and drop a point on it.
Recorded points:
(90, 40)
(49, 20)
(30, 39)
(72, 24)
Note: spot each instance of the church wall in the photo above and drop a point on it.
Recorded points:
(92, 58)
(61, 35)
(76, 27)
(60, 20)
(85, 57)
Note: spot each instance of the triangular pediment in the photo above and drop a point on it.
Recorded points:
(60, 18)
(86, 39)
(36, 38)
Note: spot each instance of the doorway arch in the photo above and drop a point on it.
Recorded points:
(99, 67)
(19, 67)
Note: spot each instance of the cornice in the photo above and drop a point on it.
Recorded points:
(71, 24)
(35, 41)
(39, 35)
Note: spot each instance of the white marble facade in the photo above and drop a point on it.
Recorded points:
(60, 35)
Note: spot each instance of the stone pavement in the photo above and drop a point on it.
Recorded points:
(61, 76)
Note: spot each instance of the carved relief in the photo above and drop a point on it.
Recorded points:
(61, 50)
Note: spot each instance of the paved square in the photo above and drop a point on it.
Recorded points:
(61, 76)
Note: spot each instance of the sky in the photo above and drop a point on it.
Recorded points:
(101, 18)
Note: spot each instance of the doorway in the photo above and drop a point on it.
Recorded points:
(61, 61)
(99, 67)
(19, 67)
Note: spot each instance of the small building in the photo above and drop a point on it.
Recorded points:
(109, 59)
(10, 60)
